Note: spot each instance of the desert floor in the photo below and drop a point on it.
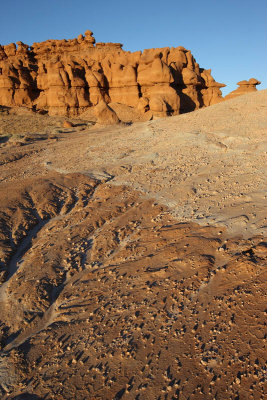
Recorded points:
(133, 257)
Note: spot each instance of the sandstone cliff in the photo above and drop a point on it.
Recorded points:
(67, 77)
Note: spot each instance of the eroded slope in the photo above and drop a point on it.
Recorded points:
(105, 294)
(111, 297)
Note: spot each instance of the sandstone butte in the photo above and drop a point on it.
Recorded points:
(68, 77)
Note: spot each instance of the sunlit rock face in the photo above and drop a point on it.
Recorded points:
(244, 87)
(67, 77)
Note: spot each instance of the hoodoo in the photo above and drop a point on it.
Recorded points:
(67, 77)
(244, 87)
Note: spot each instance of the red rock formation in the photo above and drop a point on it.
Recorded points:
(244, 87)
(67, 77)
(105, 115)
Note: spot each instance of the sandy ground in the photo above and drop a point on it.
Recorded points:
(207, 166)
(133, 258)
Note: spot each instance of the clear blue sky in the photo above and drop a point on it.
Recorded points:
(228, 36)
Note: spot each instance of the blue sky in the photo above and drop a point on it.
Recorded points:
(228, 36)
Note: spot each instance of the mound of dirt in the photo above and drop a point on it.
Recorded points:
(129, 114)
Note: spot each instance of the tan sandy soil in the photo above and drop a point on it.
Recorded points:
(132, 258)
(207, 166)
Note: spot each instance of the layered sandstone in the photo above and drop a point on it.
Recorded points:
(67, 77)
(244, 87)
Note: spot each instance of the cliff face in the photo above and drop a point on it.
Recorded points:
(67, 77)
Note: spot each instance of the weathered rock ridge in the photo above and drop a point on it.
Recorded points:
(244, 87)
(67, 77)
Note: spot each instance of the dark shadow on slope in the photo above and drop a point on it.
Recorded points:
(27, 396)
